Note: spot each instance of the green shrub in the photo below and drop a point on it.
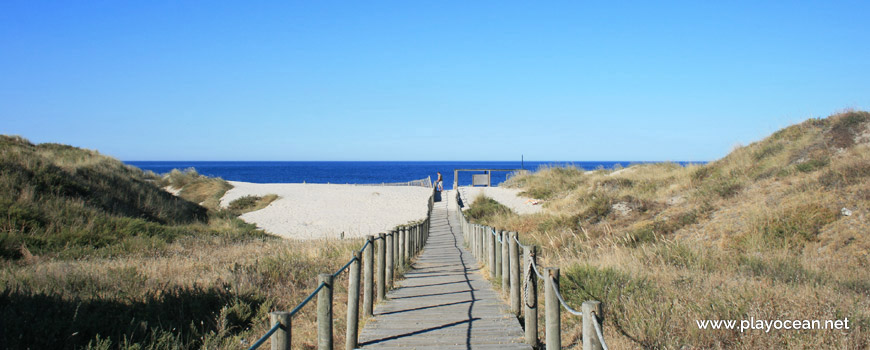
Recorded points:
(484, 208)
(726, 187)
(640, 235)
(812, 165)
(786, 270)
(845, 175)
(250, 203)
(846, 126)
(768, 150)
(799, 223)
(597, 208)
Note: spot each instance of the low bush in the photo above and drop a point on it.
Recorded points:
(251, 203)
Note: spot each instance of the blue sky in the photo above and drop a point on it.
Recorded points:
(409, 80)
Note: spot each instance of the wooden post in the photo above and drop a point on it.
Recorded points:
(484, 243)
(419, 238)
(414, 240)
(498, 256)
(397, 259)
(481, 244)
(530, 311)
(590, 337)
(514, 268)
(553, 309)
(407, 245)
(475, 228)
(505, 263)
(324, 312)
(456, 181)
(281, 338)
(368, 276)
(390, 262)
(464, 232)
(422, 236)
(382, 262)
(492, 248)
(472, 236)
(353, 303)
(403, 257)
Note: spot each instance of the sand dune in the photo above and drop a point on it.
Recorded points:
(312, 211)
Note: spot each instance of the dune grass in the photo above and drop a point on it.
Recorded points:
(759, 233)
(196, 188)
(95, 254)
(251, 203)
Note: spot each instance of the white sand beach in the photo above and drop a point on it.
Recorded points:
(312, 211)
(508, 196)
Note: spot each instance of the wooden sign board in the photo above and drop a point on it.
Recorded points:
(480, 180)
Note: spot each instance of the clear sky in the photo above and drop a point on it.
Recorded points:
(433, 80)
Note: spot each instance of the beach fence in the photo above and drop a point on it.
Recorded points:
(394, 249)
(427, 183)
(500, 252)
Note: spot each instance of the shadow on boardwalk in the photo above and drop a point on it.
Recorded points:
(443, 303)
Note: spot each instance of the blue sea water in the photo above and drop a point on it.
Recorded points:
(354, 172)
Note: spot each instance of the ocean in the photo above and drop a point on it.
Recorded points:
(373, 172)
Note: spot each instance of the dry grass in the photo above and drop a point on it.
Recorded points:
(204, 190)
(208, 293)
(251, 203)
(758, 234)
(96, 255)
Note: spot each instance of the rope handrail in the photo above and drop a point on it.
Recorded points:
(600, 334)
(565, 304)
(361, 250)
(265, 336)
(496, 235)
(307, 299)
(521, 244)
(532, 265)
(535, 268)
(314, 293)
(344, 267)
(558, 294)
(296, 309)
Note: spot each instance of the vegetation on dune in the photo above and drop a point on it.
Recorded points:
(207, 191)
(250, 203)
(485, 209)
(759, 233)
(95, 254)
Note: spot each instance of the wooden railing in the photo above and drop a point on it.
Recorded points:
(394, 249)
(499, 251)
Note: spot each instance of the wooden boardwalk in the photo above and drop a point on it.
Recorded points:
(443, 302)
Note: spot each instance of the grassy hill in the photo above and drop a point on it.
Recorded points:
(95, 254)
(775, 230)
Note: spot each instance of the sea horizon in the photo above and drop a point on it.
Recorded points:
(366, 172)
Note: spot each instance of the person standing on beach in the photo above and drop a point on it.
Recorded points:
(439, 183)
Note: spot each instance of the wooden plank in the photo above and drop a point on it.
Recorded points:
(443, 302)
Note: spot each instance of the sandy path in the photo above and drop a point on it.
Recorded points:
(507, 196)
(310, 211)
